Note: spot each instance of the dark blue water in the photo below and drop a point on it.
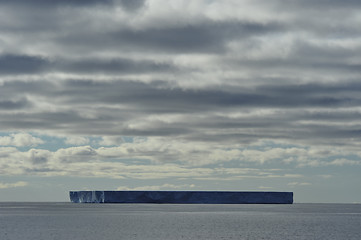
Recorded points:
(44, 221)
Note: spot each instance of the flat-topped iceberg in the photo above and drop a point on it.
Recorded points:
(182, 197)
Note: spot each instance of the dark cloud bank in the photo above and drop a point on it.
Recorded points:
(270, 78)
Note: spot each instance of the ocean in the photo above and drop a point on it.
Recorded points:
(64, 221)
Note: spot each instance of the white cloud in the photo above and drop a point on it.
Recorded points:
(20, 140)
(264, 187)
(13, 185)
(75, 154)
(76, 140)
(294, 184)
(39, 156)
(343, 161)
(135, 162)
(157, 158)
(111, 140)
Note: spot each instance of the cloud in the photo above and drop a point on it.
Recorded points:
(210, 37)
(76, 140)
(56, 2)
(132, 5)
(343, 161)
(21, 64)
(28, 64)
(10, 104)
(313, 112)
(179, 89)
(265, 188)
(137, 160)
(322, 3)
(39, 156)
(160, 158)
(75, 154)
(111, 140)
(294, 184)
(20, 140)
(109, 66)
(13, 185)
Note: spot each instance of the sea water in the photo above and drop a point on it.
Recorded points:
(46, 221)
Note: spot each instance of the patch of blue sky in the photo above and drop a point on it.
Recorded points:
(128, 139)
(50, 143)
(53, 143)
(349, 170)
(268, 144)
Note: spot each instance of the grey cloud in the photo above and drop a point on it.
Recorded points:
(21, 64)
(339, 66)
(129, 102)
(250, 76)
(155, 96)
(160, 97)
(325, 133)
(14, 104)
(129, 5)
(42, 3)
(120, 65)
(42, 121)
(323, 53)
(198, 37)
(26, 64)
(156, 130)
(310, 8)
(329, 116)
(132, 5)
(37, 158)
(326, 19)
(302, 56)
(17, 89)
(325, 4)
(291, 131)
(37, 22)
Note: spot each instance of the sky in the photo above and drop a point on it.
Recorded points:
(233, 95)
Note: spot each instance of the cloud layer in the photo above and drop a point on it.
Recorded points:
(192, 84)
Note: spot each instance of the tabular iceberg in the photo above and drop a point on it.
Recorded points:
(181, 197)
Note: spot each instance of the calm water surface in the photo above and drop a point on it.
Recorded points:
(44, 221)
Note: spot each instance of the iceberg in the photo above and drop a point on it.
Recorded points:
(182, 197)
